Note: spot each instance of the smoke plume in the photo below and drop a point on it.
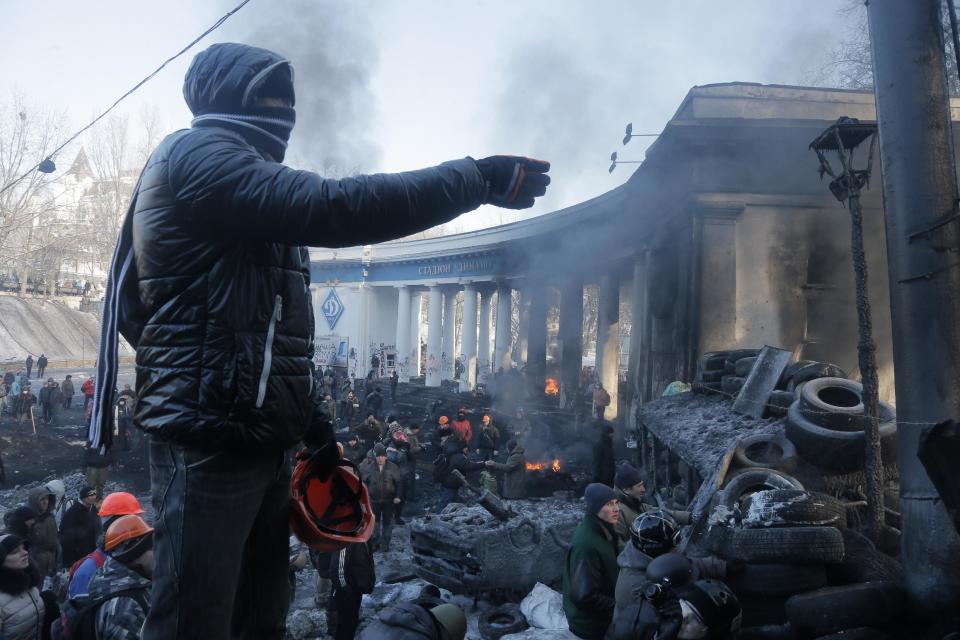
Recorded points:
(334, 53)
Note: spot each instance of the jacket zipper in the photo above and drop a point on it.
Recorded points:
(268, 349)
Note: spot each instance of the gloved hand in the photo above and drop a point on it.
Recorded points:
(320, 442)
(514, 182)
(671, 618)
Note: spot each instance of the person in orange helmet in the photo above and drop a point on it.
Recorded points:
(114, 506)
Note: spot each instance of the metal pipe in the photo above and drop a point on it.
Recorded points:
(919, 188)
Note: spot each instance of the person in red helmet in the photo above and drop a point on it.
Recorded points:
(114, 506)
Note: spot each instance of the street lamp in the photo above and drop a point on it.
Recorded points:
(842, 139)
(630, 134)
(614, 162)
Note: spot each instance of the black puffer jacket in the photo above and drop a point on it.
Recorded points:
(224, 329)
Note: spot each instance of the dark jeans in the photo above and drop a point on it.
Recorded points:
(47, 412)
(66, 401)
(40, 371)
(486, 454)
(384, 513)
(221, 544)
(346, 604)
(446, 497)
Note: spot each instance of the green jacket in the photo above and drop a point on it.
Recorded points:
(514, 474)
(590, 578)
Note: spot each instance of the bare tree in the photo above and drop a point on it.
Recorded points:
(27, 135)
(851, 62)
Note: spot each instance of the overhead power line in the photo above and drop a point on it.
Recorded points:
(216, 25)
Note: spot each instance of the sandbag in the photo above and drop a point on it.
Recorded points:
(543, 608)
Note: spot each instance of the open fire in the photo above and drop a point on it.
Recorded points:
(552, 388)
(543, 466)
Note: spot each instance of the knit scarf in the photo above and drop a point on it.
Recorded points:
(267, 128)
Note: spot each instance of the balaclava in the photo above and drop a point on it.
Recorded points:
(245, 73)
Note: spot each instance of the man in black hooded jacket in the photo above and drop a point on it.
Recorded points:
(210, 282)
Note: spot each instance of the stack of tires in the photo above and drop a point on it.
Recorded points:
(715, 368)
(799, 571)
(825, 424)
(725, 372)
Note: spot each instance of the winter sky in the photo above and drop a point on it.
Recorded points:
(387, 85)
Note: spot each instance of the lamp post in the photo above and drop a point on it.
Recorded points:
(842, 139)
(614, 162)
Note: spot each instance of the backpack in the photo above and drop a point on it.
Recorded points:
(78, 616)
(99, 558)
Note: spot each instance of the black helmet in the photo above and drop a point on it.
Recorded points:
(712, 605)
(670, 568)
(654, 533)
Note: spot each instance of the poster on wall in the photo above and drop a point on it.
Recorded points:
(331, 351)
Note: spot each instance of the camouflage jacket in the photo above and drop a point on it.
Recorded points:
(119, 618)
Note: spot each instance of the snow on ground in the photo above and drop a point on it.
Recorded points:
(34, 325)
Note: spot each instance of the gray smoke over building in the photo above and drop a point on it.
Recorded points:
(334, 54)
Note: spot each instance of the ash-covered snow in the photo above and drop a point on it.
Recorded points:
(701, 428)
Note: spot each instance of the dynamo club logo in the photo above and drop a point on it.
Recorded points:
(332, 308)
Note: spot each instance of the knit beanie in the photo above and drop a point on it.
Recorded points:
(627, 476)
(379, 450)
(8, 543)
(596, 496)
(133, 549)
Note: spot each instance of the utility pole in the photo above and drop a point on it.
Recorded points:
(923, 234)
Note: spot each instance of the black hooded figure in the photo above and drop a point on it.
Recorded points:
(210, 282)
(604, 464)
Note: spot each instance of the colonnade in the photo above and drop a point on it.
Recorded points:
(486, 343)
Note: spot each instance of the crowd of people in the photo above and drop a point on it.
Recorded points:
(77, 569)
(29, 404)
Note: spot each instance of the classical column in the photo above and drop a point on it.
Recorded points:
(608, 339)
(524, 326)
(413, 370)
(504, 330)
(449, 355)
(403, 334)
(483, 341)
(638, 319)
(434, 336)
(537, 337)
(468, 339)
(571, 339)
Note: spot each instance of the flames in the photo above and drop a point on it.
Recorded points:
(552, 388)
(554, 466)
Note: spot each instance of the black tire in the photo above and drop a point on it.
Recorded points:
(833, 450)
(779, 402)
(862, 562)
(766, 450)
(713, 360)
(710, 376)
(834, 609)
(789, 545)
(744, 366)
(731, 385)
(791, 508)
(500, 621)
(790, 370)
(777, 580)
(770, 632)
(738, 354)
(761, 612)
(754, 479)
(814, 371)
(860, 633)
(834, 403)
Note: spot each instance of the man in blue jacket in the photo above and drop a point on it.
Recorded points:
(210, 283)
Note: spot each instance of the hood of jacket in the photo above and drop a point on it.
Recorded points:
(633, 558)
(226, 76)
(410, 617)
(33, 500)
(115, 576)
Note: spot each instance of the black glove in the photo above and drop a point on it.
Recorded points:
(320, 442)
(671, 618)
(514, 182)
